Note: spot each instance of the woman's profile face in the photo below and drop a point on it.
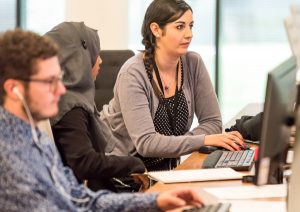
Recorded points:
(96, 67)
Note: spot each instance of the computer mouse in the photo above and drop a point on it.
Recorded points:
(209, 149)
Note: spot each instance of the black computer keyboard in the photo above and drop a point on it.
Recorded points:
(219, 207)
(237, 160)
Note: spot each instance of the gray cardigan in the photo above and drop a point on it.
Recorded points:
(130, 113)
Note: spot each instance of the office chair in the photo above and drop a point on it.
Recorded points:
(104, 84)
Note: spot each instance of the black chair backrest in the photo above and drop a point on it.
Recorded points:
(104, 84)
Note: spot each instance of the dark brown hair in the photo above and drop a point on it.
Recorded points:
(19, 52)
(161, 12)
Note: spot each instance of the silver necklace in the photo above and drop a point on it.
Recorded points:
(167, 87)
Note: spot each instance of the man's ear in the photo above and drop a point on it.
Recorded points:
(155, 29)
(13, 89)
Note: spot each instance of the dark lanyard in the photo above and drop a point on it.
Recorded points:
(172, 119)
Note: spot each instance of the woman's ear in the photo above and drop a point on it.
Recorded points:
(155, 29)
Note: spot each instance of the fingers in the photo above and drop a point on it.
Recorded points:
(237, 138)
(176, 201)
(235, 135)
(190, 196)
(178, 198)
(229, 144)
(227, 141)
(143, 180)
(231, 140)
(195, 198)
(168, 201)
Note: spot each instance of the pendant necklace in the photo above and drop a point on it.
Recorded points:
(167, 87)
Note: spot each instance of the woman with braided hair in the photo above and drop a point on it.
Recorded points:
(159, 90)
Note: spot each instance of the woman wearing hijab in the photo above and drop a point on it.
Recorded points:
(78, 132)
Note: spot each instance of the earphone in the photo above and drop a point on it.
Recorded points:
(16, 91)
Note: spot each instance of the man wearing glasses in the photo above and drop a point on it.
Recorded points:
(32, 177)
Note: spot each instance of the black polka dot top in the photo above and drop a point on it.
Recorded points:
(161, 120)
(163, 125)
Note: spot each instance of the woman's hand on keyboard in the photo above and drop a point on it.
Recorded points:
(229, 140)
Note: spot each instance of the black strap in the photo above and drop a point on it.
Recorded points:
(172, 119)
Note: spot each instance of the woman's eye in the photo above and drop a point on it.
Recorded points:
(180, 27)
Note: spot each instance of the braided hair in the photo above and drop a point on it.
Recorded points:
(161, 12)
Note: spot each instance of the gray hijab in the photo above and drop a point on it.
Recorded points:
(79, 47)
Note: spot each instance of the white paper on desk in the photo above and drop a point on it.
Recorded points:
(249, 192)
(257, 206)
(177, 176)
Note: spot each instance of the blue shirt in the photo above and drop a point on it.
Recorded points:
(33, 178)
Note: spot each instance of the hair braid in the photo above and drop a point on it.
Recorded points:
(149, 55)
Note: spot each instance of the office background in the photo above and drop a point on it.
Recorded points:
(248, 37)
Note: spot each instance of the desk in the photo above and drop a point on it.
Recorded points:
(195, 160)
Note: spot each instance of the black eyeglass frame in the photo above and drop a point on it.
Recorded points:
(53, 82)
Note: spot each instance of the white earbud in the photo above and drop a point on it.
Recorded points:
(16, 91)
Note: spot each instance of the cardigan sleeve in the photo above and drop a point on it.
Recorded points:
(75, 143)
(204, 97)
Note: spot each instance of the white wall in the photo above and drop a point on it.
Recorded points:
(109, 17)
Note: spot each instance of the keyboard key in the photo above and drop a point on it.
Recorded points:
(219, 207)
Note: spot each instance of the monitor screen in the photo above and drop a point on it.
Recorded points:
(279, 104)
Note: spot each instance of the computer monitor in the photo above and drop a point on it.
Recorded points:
(279, 104)
(294, 182)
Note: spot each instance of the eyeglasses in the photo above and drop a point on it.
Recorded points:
(52, 82)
